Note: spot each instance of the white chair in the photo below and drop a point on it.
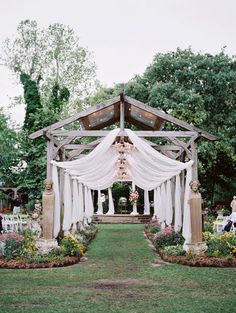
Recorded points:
(23, 221)
(8, 223)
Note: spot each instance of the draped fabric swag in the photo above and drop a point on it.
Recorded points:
(145, 167)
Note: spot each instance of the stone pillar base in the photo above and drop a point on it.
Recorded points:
(46, 245)
(197, 248)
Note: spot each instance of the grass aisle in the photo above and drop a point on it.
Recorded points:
(118, 277)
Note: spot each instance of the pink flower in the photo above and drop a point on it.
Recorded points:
(16, 236)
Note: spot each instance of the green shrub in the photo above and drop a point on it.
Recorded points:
(168, 237)
(208, 227)
(12, 248)
(174, 250)
(155, 229)
(71, 247)
(221, 245)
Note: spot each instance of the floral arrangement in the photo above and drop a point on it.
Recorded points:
(220, 245)
(133, 196)
(70, 246)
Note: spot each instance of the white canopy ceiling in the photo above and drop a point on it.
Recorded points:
(146, 167)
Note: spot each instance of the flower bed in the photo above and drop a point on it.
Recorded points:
(22, 251)
(221, 250)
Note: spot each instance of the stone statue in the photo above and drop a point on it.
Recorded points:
(48, 209)
(233, 204)
(37, 206)
(195, 203)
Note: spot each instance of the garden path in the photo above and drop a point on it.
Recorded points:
(118, 277)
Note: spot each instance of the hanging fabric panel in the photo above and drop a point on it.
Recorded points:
(178, 212)
(67, 220)
(146, 203)
(57, 209)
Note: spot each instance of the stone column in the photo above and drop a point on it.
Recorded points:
(195, 204)
(48, 203)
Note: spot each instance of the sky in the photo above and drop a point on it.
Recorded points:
(124, 35)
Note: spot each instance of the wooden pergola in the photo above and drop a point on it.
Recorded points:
(65, 142)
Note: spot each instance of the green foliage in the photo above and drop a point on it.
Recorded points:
(120, 189)
(221, 245)
(208, 226)
(32, 100)
(201, 90)
(71, 247)
(53, 69)
(168, 237)
(53, 56)
(174, 250)
(12, 248)
(155, 229)
(10, 163)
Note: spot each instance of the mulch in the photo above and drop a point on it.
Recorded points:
(23, 264)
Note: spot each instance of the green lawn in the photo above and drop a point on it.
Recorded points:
(118, 277)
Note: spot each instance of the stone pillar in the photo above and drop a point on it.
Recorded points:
(48, 203)
(48, 210)
(195, 204)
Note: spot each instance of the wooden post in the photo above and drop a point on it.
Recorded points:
(195, 159)
(49, 158)
(122, 113)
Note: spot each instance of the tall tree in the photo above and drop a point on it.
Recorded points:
(50, 57)
(10, 164)
(200, 89)
(54, 70)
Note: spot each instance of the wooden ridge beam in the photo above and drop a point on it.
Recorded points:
(103, 133)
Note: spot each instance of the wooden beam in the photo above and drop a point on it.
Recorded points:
(169, 118)
(122, 113)
(62, 144)
(102, 133)
(182, 145)
(195, 159)
(50, 147)
(74, 118)
(79, 146)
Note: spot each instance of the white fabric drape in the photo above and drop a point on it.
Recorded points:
(81, 203)
(134, 208)
(146, 203)
(75, 203)
(57, 209)
(156, 214)
(67, 220)
(178, 212)
(186, 219)
(100, 206)
(169, 206)
(111, 209)
(90, 210)
(146, 167)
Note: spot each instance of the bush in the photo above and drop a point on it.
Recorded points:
(168, 237)
(10, 244)
(71, 247)
(208, 227)
(155, 229)
(221, 245)
(12, 248)
(174, 250)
